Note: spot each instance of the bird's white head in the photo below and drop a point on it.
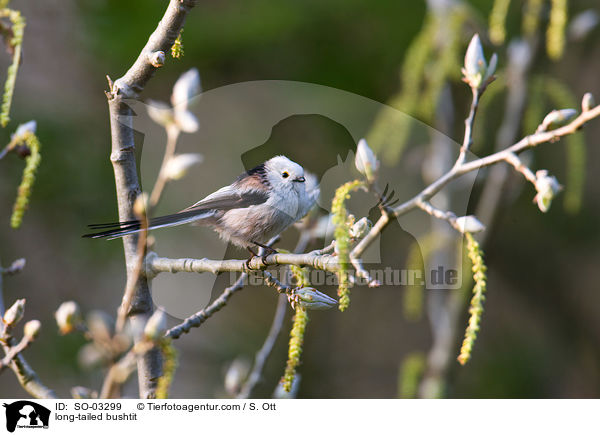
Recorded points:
(282, 172)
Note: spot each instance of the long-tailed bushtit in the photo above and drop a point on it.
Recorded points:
(257, 206)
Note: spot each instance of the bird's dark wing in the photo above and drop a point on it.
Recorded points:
(230, 197)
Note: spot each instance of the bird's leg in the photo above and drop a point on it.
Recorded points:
(252, 255)
(268, 251)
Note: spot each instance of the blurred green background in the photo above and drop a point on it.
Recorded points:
(540, 333)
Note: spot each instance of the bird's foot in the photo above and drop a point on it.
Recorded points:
(267, 251)
(249, 260)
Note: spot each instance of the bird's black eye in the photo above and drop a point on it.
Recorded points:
(285, 174)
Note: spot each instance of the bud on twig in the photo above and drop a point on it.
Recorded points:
(156, 58)
(32, 329)
(141, 205)
(156, 326)
(15, 313)
(186, 121)
(360, 228)
(547, 187)
(280, 392)
(28, 127)
(587, 102)
(365, 161)
(68, 317)
(556, 118)
(178, 165)
(160, 113)
(91, 356)
(16, 266)
(311, 299)
(236, 375)
(100, 325)
(469, 224)
(476, 71)
(186, 87)
(582, 24)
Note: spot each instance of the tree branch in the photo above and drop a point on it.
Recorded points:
(261, 356)
(197, 319)
(126, 179)
(156, 264)
(14, 351)
(28, 378)
(458, 170)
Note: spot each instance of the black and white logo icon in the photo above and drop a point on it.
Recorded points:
(26, 414)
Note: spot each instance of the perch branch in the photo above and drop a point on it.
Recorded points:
(157, 264)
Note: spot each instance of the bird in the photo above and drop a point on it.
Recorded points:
(259, 205)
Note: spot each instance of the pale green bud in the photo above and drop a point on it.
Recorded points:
(360, 228)
(178, 165)
(160, 112)
(587, 102)
(469, 224)
(311, 299)
(547, 187)
(365, 160)
(557, 118)
(14, 314)
(32, 329)
(236, 375)
(186, 87)
(68, 317)
(156, 326)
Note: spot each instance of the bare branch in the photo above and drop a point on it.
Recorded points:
(468, 137)
(161, 181)
(28, 379)
(458, 170)
(14, 351)
(197, 319)
(122, 369)
(156, 264)
(126, 179)
(261, 356)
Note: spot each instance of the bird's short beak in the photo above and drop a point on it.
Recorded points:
(300, 179)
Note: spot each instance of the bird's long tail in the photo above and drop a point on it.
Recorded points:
(119, 229)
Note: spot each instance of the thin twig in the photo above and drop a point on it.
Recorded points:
(468, 136)
(197, 319)
(161, 180)
(129, 292)
(122, 369)
(457, 171)
(263, 354)
(447, 216)
(14, 351)
(26, 376)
